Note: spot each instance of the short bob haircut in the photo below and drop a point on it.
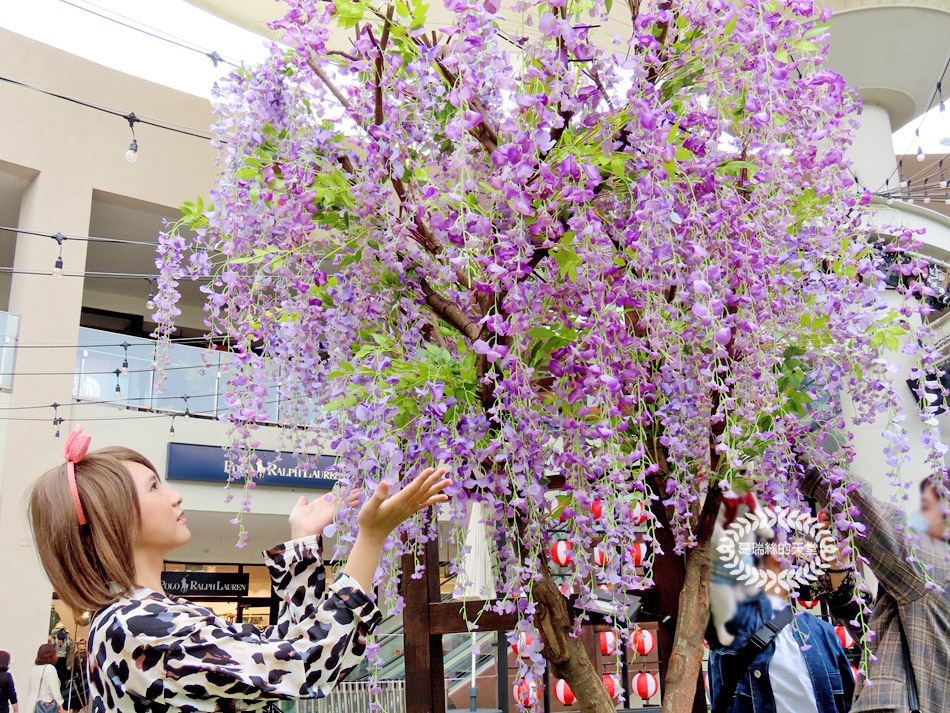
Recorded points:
(89, 567)
(45, 654)
(4, 661)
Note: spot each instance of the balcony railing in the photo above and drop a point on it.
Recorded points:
(195, 377)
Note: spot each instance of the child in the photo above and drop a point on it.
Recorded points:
(103, 524)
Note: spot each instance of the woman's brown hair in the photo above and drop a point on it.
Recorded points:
(45, 654)
(4, 661)
(89, 566)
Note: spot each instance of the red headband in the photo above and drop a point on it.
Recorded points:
(74, 451)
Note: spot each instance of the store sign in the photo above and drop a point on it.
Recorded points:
(188, 461)
(205, 584)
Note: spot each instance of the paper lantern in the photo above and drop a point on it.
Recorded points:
(612, 683)
(565, 589)
(596, 509)
(601, 557)
(854, 673)
(705, 644)
(644, 641)
(646, 685)
(807, 603)
(844, 637)
(706, 680)
(561, 553)
(638, 553)
(522, 643)
(638, 513)
(563, 692)
(608, 643)
(526, 693)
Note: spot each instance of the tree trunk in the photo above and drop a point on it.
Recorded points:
(566, 655)
(680, 686)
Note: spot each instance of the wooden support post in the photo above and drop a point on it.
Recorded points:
(425, 673)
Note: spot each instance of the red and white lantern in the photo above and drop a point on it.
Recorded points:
(644, 641)
(638, 513)
(601, 557)
(638, 553)
(706, 680)
(854, 673)
(612, 683)
(646, 685)
(523, 642)
(563, 692)
(705, 644)
(844, 637)
(608, 643)
(565, 589)
(596, 510)
(561, 553)
(558, 508)
(526, 692)
(807, 603)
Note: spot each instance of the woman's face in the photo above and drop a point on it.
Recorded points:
(930, 509)
(163, 523)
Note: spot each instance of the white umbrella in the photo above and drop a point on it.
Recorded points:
(475, 578)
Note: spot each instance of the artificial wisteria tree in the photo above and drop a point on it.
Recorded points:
(557, 245)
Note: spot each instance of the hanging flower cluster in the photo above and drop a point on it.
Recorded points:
(511, 241)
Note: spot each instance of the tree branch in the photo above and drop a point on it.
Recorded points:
(449, 311)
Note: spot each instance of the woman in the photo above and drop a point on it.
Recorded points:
(7, 689)
(44, 695)
(150, 651)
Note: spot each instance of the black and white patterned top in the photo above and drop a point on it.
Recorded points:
(151, 652)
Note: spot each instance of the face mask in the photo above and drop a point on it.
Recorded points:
(919, 523)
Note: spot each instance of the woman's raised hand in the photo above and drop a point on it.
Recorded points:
(381, 514)
(311, 518)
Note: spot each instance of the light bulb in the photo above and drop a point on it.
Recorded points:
(920, 154)
(926, 199)
(151, 302)
(947, 200)
(943, 181)
(171, 431)
(132, 154)
(118, 392)
(58, 267)
(904, 182)
(187, 414)
(890, 201)
(910, 199)
(125, 366)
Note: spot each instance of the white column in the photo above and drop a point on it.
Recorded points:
(872, 150)
(49, 310)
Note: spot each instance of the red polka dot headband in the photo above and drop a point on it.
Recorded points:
(74, 451)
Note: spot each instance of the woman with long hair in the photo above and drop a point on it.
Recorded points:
(103, 523)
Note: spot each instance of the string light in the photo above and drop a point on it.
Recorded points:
(904, 183)
(942, 110)
(56, 419)
(150, 303)
(118, 389)
(943, 178)
(132, 155)
(58, 265)
(926, 194)
(187, 412)
(171, 431)
(887, 191)
(920, 151)
(125, 362)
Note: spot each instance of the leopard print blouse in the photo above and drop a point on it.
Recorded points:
(151, 652)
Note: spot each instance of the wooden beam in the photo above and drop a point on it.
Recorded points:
(451, 617)
(425, 672)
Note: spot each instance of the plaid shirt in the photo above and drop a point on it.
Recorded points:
(925, 613)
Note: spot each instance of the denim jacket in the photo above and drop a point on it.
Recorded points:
(825, 660)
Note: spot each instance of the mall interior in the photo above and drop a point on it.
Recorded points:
(76, 347)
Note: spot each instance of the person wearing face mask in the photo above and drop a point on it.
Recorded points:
(910, 666)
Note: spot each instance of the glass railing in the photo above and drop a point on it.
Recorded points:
(9, 331)
(195, 377)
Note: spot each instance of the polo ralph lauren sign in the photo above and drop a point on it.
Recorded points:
(189, 461)
(205, 584)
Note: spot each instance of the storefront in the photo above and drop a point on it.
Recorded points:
(235, 592)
